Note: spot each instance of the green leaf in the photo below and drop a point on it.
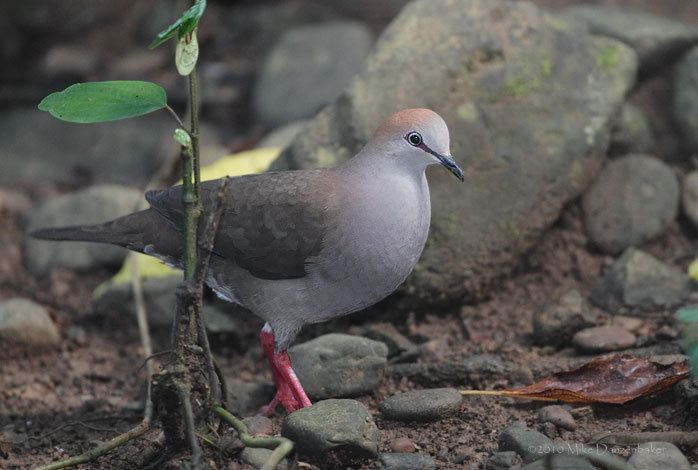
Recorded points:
(688, 314)
(183, 26)
(104, 101)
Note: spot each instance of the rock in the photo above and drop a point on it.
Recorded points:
(394, 461)
(339, 365)
(632, 132)
(26, 324)
(640, 281)
(367, 10)
(70, 61)
(603, 339)
(309, 68)
(689, 197)
(127, 152)
(159, 298)
(634, 200)
(557, 415)
(508, 460)
(561, 462)
(473, 371)
(657, 40)
(259, 425)
(248, 397)
(14, 202)
(282, 137)
(515, 104)
(387, 334)
(686, 99)
(96, 204)
(654, 455)
(559, 320)
(257, 457)
(422, 405)
(402, 445)
(333, 429)
(528, 443)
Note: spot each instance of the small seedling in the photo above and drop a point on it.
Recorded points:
(180, 391)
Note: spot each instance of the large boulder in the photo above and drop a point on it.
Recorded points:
(686, 98)
(309, 68)
(656, 39)
(529, 105)
(634, 200)
(38, 147)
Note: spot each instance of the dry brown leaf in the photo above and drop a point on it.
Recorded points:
(615, 379)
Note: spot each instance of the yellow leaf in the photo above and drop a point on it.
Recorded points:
(243, 163)
(693, 270)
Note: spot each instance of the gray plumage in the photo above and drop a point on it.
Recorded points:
(301, 247)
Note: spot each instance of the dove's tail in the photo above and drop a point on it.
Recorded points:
(128, 231)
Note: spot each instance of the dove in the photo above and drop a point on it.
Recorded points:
(305, 246)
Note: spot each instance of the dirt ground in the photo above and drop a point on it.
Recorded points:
(64, 402)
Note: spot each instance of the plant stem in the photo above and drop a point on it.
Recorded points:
(100, 450)
(190, 203)
(144, 333)
(175, 116)
(281, 446)
(194, 130)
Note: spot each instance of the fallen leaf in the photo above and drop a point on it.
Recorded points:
(615, 379)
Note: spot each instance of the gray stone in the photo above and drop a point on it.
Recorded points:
(641, 282)
(282, 137)
(366, 10)
(559, 320)
(560, 462)
(474, 371)
(26, 324)
(333, 429)
(159, 299)
(14, 202)
(387, 334)
(259, 425)
(422, 405)
(309, 68)
(686, 99)
(603, 339)
(634, 200)
(557, 415)
(655, 455)
(70, 61)
(127, 152)
(248, 397)
(529, 116)
(93, 205)
(528, 443)
(689, 197)
(339, 365)
(508, 460)
(393, 461)
(257, 457)
(632, 132)
(657, 40)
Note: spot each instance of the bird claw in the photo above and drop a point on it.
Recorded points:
(289, 391)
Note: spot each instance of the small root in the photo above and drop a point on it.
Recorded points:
(100, 450)
(280, 446)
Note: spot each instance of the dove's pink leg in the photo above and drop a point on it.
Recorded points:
(289, 391)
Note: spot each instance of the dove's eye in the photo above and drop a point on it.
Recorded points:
(414, 138)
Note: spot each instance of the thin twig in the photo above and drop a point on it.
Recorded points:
(71, 424)
(190, 427)
(194, 131)
(144, 332)
(175, 116)
(100, 450)
(280, 446)
(151, 357)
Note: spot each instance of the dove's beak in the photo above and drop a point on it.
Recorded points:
(448, 162)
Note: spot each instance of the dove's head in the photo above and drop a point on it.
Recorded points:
(415, 138)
